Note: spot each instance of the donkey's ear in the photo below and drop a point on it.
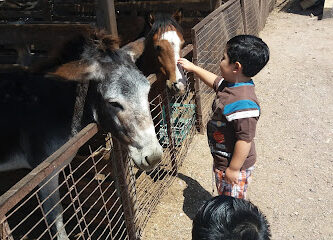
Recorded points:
(135, 49)
(73, 71)
(150, 19)
(178, 15)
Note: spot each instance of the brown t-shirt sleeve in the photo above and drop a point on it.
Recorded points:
(216, 83)
(245, 128)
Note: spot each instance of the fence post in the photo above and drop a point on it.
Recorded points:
(125, 183)
(106, 16)
(244, 16)
(170, 132)
(5, 231)
(198, 109)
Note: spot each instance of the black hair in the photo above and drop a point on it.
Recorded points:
(228, 218)
(250, 51)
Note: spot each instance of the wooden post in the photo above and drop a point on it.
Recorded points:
(215, 4)
(328, 9)
(106, 16)
(5, 231)
(125, 182)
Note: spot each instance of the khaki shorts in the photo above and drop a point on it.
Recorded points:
(233, 190)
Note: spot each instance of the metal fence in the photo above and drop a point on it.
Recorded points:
(92, 206)
(103, 195)
(210, 36)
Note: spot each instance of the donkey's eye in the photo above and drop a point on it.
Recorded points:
(116, 105)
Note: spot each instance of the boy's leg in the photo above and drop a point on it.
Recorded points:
(236, 190)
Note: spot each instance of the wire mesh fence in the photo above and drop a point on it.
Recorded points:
(85, 204)
(175, 129)
(210, 36)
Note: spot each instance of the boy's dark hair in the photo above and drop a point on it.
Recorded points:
(250, 51)
(228, 218)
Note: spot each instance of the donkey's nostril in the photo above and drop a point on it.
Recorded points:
(146, 158)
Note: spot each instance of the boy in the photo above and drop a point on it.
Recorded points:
(236, 111)
(229, 218)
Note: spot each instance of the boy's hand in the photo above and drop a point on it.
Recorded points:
(186, 64)
(231, 176)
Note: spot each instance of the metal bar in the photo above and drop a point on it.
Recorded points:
(198, 108)
(217, 11)
(245, 23)
(9, 199)
(186, 50)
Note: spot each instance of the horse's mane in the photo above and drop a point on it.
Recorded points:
(161, 22)
(93, 43)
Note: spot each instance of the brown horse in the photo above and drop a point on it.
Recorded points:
(162, 46)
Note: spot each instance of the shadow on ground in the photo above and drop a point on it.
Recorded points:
(293, 6)
(194, 196)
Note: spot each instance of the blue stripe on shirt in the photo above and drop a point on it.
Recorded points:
(240, 105)
(248, 83)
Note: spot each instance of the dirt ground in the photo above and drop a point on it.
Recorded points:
(293, 180)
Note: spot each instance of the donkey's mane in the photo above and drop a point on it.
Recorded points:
(81, 46)
(161, 22)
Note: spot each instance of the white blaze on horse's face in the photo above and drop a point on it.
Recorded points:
(176, 43)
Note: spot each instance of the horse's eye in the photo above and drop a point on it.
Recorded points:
(158, 48)
(116, 105)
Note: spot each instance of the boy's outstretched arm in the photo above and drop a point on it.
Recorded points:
(241, 151)
(207, 77)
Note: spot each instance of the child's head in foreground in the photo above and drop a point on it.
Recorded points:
(228, 218)
(246, 53)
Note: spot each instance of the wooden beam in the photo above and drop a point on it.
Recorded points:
(198, 5)
(106, 16)
(14, 34)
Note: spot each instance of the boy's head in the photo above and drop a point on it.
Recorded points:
(247, 52)
(228, 218)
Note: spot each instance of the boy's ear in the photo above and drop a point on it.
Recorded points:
(238, 67)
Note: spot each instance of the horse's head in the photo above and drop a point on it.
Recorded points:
(118, 96)
(165, 40)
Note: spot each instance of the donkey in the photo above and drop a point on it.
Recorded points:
(37, 109)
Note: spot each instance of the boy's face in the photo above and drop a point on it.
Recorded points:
(227, 68)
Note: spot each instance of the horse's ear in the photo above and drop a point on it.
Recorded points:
(178, 15)
(135, 49)
(73, 71)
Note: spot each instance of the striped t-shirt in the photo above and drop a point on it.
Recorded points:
(235, 114)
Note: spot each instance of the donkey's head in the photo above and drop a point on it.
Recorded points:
(118, 95)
